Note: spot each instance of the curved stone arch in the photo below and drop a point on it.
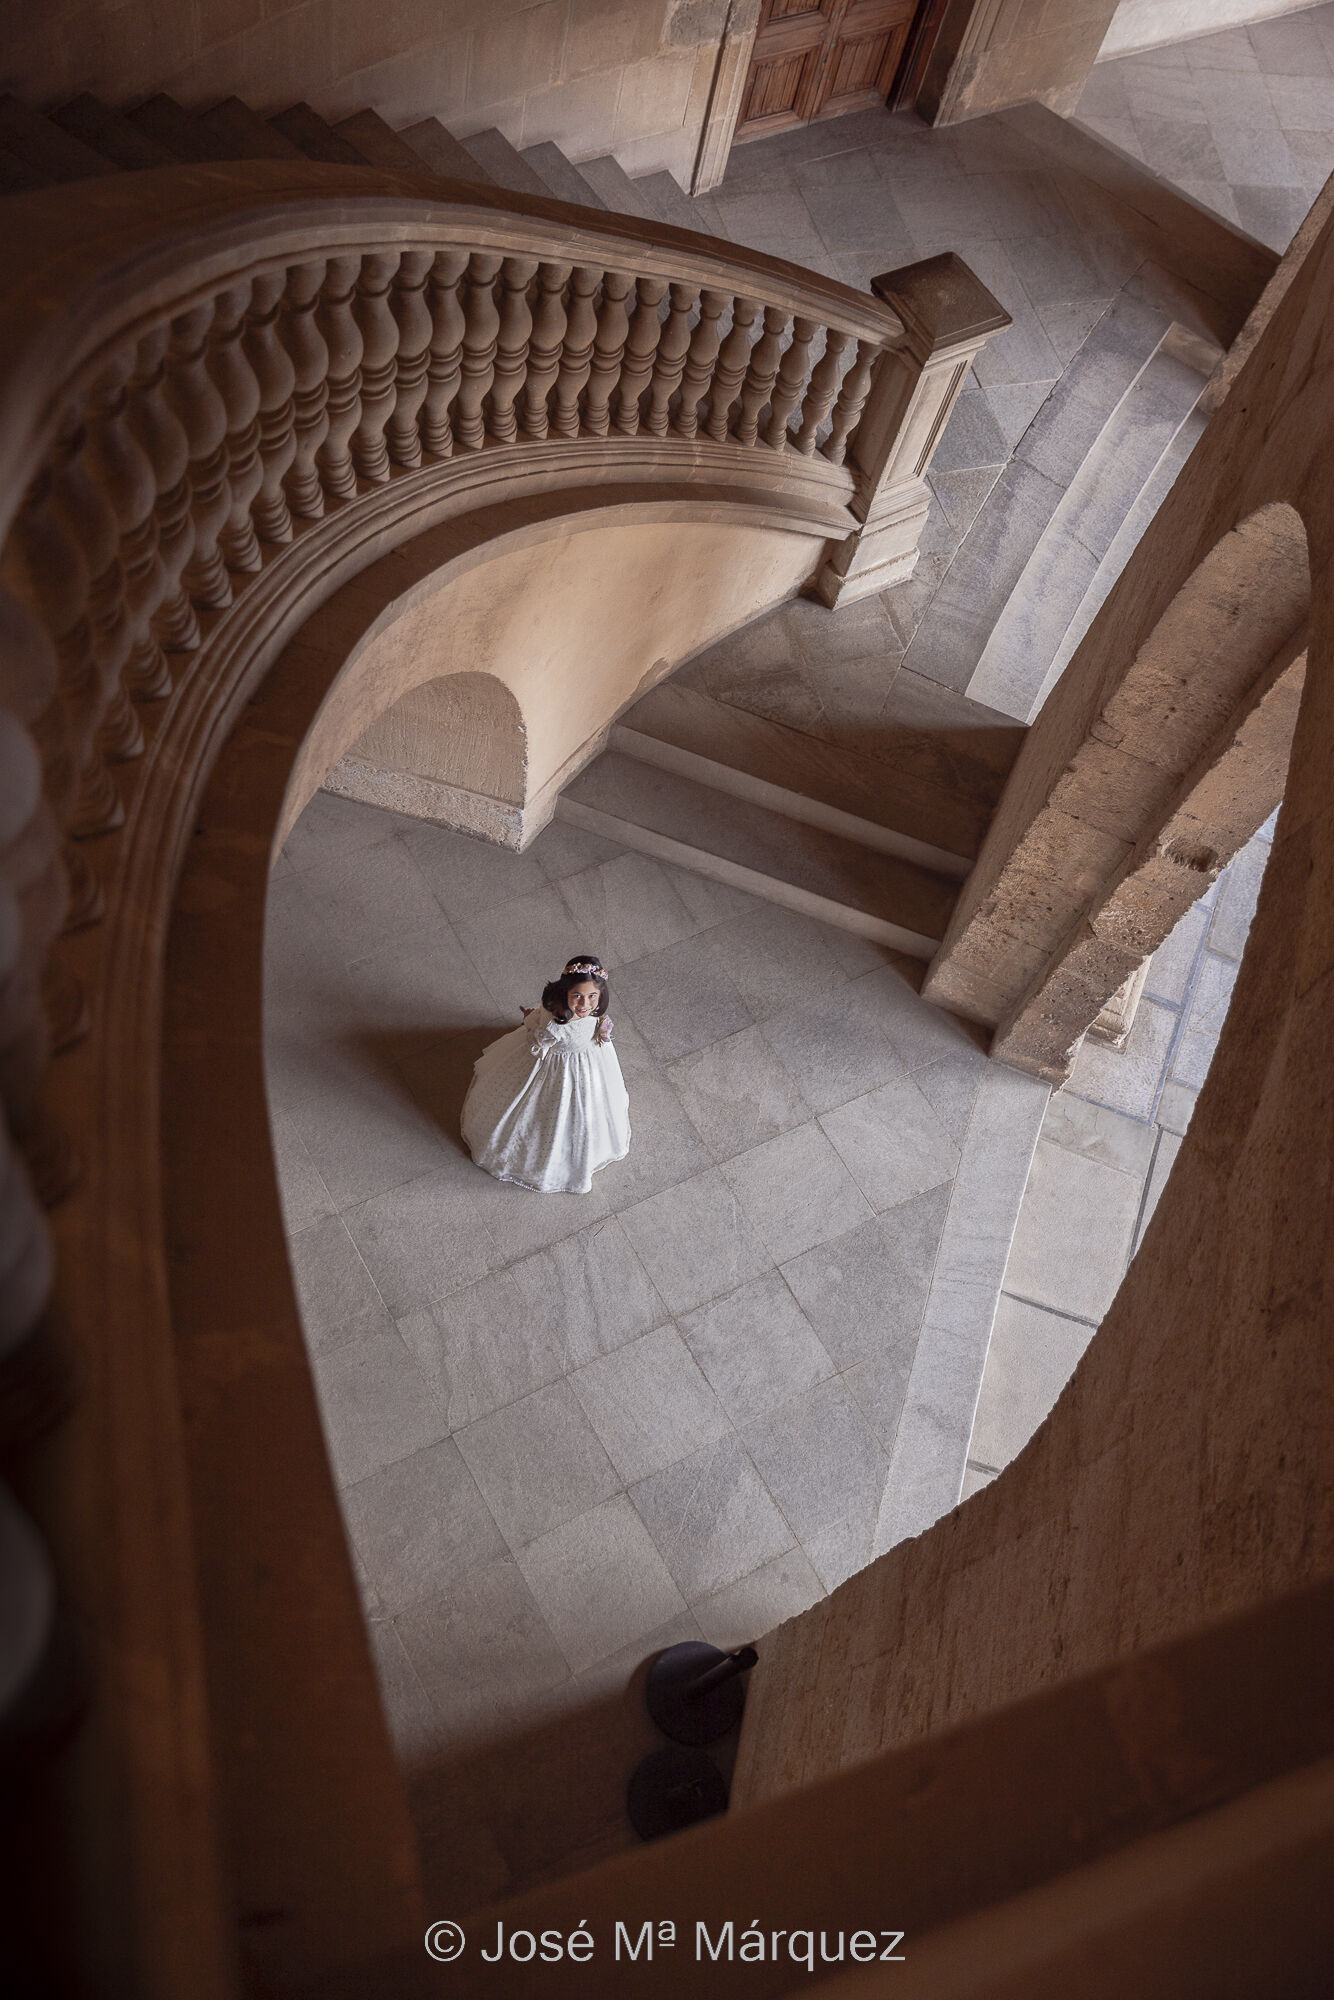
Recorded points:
(1146, 790)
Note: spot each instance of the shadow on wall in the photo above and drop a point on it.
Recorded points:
(453, 750)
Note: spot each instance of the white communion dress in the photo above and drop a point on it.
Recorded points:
(547, 1106)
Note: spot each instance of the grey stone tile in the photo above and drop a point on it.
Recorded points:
(974, 1479)
(482, 1651)
(1230, 50)
(373, 896)
(305, 1198)
(466, 874)
(865, 1292)
(418, 1523)
(682, 999)
(1175, 1107)
(612, 1675)
(950, 1087)
(664, 1146)
(709, 903)
(892, 1142)
(711, 1518)
(1289, 46)
(600, 1582)
(1213, 994)
(1099, 1134)
(775, 958)
(1179, 150)
(1253, 156)
(1015, 404)
(1031, 1358)
(1271, 214)
(737, 1093)
(1164, 1159)
(694, 1241)
(1192, 1057)
(330, 825)
(796, 1192)
(971, 438)
(538, 1463)
(419, 989)
(519, 946)
(879, 1387)
(1234, 905)
(628, 907)
(756, 1347)
(422, 1239)
(589, 1293)
(820, 1460)
(413, 1723)
(757, 1604)
(649, 1404)
(363, 1132)
(480, 1349)
(1172, 964)
(1127, 1079)
(521, 1222)
(1074, 1233)
(562, 849)
(961, 495)
(376, 1404)
(333, 1286)
(838, 1550)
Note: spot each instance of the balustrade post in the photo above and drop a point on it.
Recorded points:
(481, 333)
(608, 349)
(581, 325)
(342, 338)
(239, 389)
(544, 348)
(273, 370)
(948, 316)
(516, 326)
(304, 342)
(446, 357)
(379, 366)
(733, 359)
(670, 360)
(640, 348)
(414, 354)
(699, 362)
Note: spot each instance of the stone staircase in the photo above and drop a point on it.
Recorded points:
(1027, 576)
(86, 137)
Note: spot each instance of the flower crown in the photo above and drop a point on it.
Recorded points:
(589, 965)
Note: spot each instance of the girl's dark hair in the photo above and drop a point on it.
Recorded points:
(556, 996)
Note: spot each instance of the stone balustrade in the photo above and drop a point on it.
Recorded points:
(218, 390)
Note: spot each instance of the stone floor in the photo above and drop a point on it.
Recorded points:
(571, 1429)
(1108, 1144)
(1243, 120)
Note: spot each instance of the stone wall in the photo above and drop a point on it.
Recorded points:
(995, 53)
(632, 77)
(1184, 1474)
(572, 627)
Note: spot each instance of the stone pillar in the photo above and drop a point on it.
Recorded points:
(948, 317)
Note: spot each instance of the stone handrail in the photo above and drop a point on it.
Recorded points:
(211, 378)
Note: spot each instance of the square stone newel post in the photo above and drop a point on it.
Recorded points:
(948, 317)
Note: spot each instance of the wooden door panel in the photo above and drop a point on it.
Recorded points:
(816, 58)
(862, 71)
(777, 93)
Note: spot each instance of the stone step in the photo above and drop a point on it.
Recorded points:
(671, 203)
(316, 138)
(44, 150)
(616, 189)
(989, 561)
(502, 163)
(246, 134)
(914, 790)
(86, 117)
(177, 130)
(730, 839)
(559, 177)
(1014, 669)
(378, 142)
(1125, 542)
(442, 152)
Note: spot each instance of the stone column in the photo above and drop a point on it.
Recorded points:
(948, 317)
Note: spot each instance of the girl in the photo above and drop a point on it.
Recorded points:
(547, 1105)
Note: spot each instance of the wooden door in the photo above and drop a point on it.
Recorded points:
(817, 58)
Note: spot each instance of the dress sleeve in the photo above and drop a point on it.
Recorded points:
(545, 1031)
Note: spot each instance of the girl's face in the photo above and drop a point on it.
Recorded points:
(583, 999)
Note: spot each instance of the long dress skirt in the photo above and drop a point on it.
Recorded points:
(547, 1106)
